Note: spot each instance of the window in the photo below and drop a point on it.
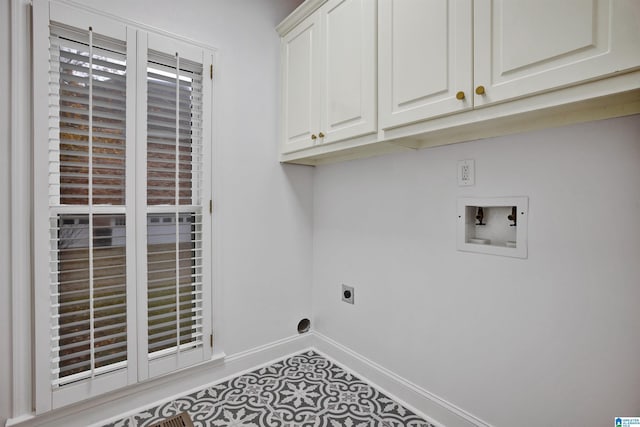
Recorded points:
(122, 180)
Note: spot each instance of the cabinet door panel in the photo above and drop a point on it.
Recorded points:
(524, 47)
(300, 85)
(349, 90)
(425, 59)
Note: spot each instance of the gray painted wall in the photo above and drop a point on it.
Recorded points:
(552, 340)
(5, 272)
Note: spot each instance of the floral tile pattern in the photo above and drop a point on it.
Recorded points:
(306, 390)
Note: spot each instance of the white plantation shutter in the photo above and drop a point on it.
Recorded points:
(174, 141)
(175, 283)
(87, 113)
(89, 327)
(175, 211)
(122, 184)
(87, 148)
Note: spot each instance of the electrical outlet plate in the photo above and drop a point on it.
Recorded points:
(466, 173)
(347, 294)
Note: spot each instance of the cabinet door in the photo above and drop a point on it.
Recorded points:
(523, 46)
(348, 107)
(425, 59)
(300, 92)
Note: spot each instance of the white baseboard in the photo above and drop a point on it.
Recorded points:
(432, 407)
(128, 401)
(131, 400)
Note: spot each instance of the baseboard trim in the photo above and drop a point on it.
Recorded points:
(266, 347)
(17, 420)
(432, 407)
(129, 401)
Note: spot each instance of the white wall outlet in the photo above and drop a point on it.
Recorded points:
(466, 173)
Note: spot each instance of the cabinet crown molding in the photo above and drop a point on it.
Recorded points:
(298, 15)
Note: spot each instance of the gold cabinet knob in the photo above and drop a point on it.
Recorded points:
(480, 90)
(460, 95)
(321, 135)
(314, 137)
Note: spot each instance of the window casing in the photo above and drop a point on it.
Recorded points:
(122, 176)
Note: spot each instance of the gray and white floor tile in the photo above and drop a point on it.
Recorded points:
(305, 390)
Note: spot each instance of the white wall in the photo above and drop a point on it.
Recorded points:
(265, 209)
(5, 272)
(552, 340)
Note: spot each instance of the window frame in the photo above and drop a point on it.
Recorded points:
(137, 369)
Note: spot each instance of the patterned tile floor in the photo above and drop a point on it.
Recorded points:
(304, 390)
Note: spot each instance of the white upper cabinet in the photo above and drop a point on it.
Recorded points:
(522, 47)
(425, 59)
(367, 77)
(349, 69)
(300, 53)
(328, 77)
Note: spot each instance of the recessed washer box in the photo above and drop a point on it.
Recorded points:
(493, 225)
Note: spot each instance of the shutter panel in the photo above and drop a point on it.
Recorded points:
(89, 297)
(112, 266)
(87, 125)
(174, 280)
(169, 136)
(174, 199)
(79, 117)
